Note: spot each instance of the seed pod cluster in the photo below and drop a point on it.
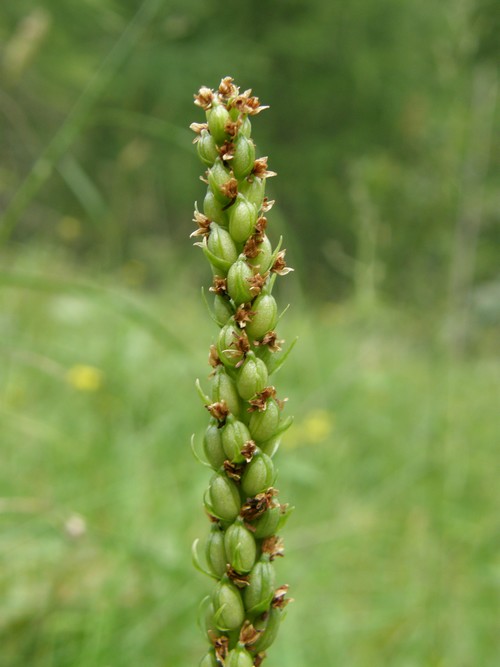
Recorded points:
(246, 417)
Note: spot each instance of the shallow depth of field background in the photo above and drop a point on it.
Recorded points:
(382, 130)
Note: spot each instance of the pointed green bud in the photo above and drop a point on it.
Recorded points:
(238, 282)
(209, 660)
(259, 475)
(240, 547)
(224, 389)
(242, 219)
(215, 551)
(252, 377)
(264, 258)
(221, 245)
(263, 425)
(268, 523)
(254, 190)
(269, 625)
(258, 594)
(223, 498)
(207, 148)
(234, 435)
(212, 446)
(218, 177)
(222, 310)
(229, 611)
(214, 210)
(238, 657)
(265, 318)
(217, 117)
(243, 157)
(226, 341)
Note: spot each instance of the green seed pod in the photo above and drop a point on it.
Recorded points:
(215, 551)
(234, 435)
(222, 310)
(263, 425)
(223, 498)
(214, 210)
(207, 148)
(221, 245)
(259, 475)
(269, 624)
(218, 176)
(240, 547)
(229, 611)
(252, 377)
(265, 256)
(224, 389)
(217, 117)
(238, 282)
(242, 219)
(246, 127)
(254, 190)
(243, 157)
(238, 657)
(226, 344)
(265, 318)
(209, 660)
(212, 446)
(258, 594)
(268, 523)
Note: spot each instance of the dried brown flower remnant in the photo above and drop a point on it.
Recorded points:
(260, 168)
(204, 98)
(218, 410)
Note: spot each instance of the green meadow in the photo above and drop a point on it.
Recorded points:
(391, 552)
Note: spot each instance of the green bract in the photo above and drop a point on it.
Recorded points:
(242, 616)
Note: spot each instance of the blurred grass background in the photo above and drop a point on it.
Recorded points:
(382, 128)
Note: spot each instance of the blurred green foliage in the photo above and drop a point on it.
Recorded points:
(381, 130)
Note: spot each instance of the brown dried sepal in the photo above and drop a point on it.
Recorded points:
(197, 128)
(247, 104)
(240, 580)
(213, 357)
(241, 347)
(267, 204)
(221, 645)
(203, 225)
(227, 88)
(204, 98)
(230, 188)
(256, 506)
(248, 634)
(234, 470)
(251, 248)
(259, 659)
(244, 315)
(260, 168)
(279, 600)
(271, 340)
(232, 127)
(274, 546)
(248, 450)
(257, 282)
(219, 286)
(219, 411)
(279, 265)
(260, 401)
(226, 151)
